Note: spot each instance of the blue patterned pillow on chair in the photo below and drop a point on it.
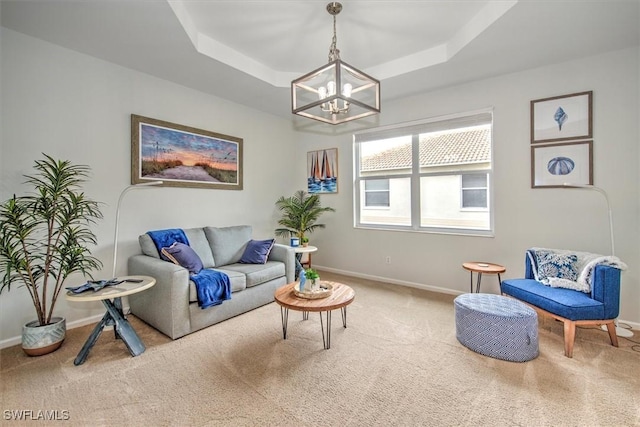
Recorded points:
(552, 264)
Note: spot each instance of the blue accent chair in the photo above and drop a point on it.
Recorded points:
(573, 308)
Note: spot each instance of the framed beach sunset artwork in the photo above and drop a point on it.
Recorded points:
(182, 156)
(322, 171)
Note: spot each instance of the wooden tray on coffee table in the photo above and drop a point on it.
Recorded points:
(325, 290)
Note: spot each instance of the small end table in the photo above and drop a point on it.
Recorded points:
(111, 298)
(483, 267)
(299, 250)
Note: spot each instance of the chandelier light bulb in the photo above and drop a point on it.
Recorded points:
(331, 88)
(346, 90)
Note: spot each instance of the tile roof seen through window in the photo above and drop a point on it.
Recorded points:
(459, 146)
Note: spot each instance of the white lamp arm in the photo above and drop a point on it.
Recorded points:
(606, 198)
(115, 233)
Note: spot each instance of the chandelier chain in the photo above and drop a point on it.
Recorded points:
(334, 52)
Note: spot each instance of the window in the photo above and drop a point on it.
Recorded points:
(432, 175)
(474, 190)
(376, 193)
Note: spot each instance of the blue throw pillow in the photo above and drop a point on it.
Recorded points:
(183, 255)
(257, 251)
(552, 264)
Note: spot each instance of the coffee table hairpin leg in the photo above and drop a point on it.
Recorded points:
(284, 315)
(327, 342)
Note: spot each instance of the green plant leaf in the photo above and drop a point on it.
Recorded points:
(46, 233)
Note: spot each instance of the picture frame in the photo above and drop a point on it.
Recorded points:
(554, 165)
(184, 156)
(562, 118)
(322, 171)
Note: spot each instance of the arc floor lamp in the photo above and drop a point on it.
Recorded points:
(621, 332)
(115, 233)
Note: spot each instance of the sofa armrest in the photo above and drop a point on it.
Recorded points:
(287, 255)
(605, 287)
(165, 306)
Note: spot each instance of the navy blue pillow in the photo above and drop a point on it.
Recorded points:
(257, 251)
(183, 255)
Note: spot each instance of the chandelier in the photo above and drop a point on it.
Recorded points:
(337, 92)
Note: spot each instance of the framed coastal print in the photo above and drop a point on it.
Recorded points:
(182, 156)
(562, 118)
(554, 165)
(322, 171)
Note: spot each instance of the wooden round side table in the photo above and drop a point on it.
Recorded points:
(480, 268)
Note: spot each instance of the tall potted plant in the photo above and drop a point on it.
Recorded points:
(44, 239)
(300, 214)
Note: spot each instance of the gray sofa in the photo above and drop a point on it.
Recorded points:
(171, 305)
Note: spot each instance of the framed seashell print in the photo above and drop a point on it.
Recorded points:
(562, 118)
(554, 165)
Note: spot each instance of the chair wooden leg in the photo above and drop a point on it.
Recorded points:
(611, 328)
(569, 337)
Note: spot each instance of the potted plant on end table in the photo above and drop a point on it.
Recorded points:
(45, 238)
(300, 214)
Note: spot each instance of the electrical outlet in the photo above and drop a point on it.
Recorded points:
(388, 260)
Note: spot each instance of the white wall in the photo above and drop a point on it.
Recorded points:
(73, 106)
(524, 217)
(76, 107)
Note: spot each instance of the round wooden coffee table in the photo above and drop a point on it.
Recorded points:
(483, 267)
(341, 297)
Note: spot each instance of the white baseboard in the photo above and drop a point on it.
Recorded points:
(94, 319)
(388, 280)
(9, 342)
(632, 325)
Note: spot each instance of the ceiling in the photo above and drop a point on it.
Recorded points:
(248, 51)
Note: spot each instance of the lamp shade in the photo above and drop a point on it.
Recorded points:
(335, 93)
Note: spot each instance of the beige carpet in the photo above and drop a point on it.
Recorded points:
(397, 363)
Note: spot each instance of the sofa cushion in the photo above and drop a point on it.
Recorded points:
(237, 279)
(147, 246)
(184, 256)
(257, 251)
(197, 240)
(567, 303)
(228, 243)
(258, 273)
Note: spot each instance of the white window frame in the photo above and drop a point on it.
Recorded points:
(388, 191)
(453, 121)
(462, 188)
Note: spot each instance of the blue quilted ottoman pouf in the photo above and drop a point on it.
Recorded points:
(497, 326)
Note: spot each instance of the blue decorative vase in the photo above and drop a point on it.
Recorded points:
(303, 280)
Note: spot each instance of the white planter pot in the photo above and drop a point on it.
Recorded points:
(40, 340)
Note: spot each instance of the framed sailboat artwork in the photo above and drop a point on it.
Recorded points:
(322, 171)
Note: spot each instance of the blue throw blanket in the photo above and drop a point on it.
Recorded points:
(166, 238)
(213, 287)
